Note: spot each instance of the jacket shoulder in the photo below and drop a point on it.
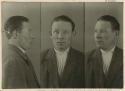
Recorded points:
(90, 55)
(44, 54)
(12, 56)
(118, 53)
(77, 56)
(119, 50)
(77, 53)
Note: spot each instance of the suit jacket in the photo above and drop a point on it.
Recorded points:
(95, 77)
(73, 73)
(18, 71)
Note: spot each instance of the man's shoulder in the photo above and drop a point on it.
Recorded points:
(45, 54)
(119, 50)
(13, 61)
(90, 55)
(76, 55)
(92, 52)
(76, 52)
(13, 56)
(12, 51)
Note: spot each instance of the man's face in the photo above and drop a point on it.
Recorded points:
(105, 37)
(61, 35)
(25, 36)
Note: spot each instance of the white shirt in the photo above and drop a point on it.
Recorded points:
(107, 57)
(61, 59)
(22, 50)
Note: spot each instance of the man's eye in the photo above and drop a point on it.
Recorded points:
(65, 32)
(56, 32)
(100, 31)
(96, 31)
(103, 31)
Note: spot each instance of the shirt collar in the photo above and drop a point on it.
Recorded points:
(110, 51)
(64, 52)
(12, 42)
(22, 49)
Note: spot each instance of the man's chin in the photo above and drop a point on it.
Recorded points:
(61, 48)
(100, 46)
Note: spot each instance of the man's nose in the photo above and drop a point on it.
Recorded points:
(98, 35)
(60, 35)
(32, 36)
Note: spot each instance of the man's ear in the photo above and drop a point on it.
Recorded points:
(50, 33)
(74, 32)
(117, 33)
(14, 34)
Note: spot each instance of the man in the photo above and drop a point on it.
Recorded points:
(18, 71)
(62, 66)
(105, 64)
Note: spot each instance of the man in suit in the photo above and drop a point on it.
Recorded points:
(62, 66)
(18, 71)
(105, 64)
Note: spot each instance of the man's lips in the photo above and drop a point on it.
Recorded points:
(99, 41)
(60, 42)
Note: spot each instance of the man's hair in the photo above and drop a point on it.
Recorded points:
(14, 23)
(64, 18)
(114, 23)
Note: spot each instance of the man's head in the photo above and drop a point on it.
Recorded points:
(17, 28)
(106, 32)
(62, 32)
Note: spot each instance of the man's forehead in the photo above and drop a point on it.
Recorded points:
(61, 22)
(103, 24)
(26, 24)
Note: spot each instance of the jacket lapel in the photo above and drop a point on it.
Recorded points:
(114, 66)
(69, 66)
(99, 74)
(52, 68)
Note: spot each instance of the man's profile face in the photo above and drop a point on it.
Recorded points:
(61, 35)
(25, 36)
(105, 37)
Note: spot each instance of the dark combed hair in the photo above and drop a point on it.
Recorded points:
(114, 23)
(14, 23)
(64, 18)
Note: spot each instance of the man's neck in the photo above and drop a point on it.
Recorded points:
(110, 49)
(62, 51)
(15, 43)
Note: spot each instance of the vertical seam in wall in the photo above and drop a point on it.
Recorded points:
(84, 42)
(84, 26)
(40, 37)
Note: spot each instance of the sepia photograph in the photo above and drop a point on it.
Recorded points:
(104, 45)
(71, 45)
(21, 45)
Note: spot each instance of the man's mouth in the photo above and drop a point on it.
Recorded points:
(99, 41)
(60, 43)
